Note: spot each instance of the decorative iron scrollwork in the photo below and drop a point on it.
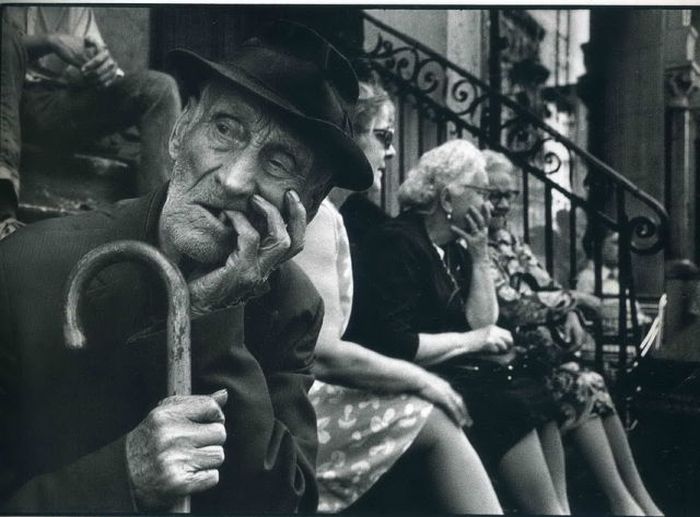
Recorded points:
(646, 238)
(460, 102)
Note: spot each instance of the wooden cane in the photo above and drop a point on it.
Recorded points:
(178, 321)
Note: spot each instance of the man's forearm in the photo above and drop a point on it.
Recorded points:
(38, 45)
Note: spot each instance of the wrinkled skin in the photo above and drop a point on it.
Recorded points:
(235, 209)
(237, 203)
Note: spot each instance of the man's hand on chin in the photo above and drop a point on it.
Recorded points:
(255, 256)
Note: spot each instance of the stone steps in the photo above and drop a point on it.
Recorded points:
(55, 184)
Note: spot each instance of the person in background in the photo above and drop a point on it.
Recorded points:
(411, 306)
(610, 285)
(529, 298)
(360, 213)
(372, 409)
(61, 87)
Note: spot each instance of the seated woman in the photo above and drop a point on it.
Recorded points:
(371, 409)
(409, 306)
(529, 297)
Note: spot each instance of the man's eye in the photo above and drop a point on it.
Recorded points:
(281, 162)
(223, 128)
(229, 129)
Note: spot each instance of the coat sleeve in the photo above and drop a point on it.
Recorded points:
(271, 426)
(96, 481)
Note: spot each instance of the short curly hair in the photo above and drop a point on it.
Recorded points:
(497, 162)
(436, 169)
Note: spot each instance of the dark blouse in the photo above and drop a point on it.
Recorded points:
(405, 289)
(360, 217)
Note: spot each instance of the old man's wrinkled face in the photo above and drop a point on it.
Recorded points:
(231, 157)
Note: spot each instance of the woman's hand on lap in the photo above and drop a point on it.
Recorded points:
(438, 391)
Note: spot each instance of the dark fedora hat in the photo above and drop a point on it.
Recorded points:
(295, 70)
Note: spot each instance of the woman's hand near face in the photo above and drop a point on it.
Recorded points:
(255, 256)
(476, 231)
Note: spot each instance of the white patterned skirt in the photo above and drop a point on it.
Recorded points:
(361, 435)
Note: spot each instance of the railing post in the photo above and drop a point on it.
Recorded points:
(573, 262)
(597, 288)
(548, 244)
(495, 47)
(526, 206)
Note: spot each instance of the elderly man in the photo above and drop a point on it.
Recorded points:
(88, 431)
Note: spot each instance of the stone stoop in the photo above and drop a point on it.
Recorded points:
(55, 184)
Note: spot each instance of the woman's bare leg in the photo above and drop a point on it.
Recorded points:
(553, 449)
(617, 437)
(592, 441)
(525, 472)
(461, 482)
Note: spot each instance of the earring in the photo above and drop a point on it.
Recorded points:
(449, 216)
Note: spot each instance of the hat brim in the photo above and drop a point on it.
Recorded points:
(352, 170)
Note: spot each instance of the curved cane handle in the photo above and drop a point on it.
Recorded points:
(178, 322)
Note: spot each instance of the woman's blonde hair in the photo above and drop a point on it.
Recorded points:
(370, 100)
(437, 169)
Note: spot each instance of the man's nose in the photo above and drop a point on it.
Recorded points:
(237, 176)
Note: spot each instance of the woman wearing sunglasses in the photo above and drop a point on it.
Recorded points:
(411, 307)
(381, 421)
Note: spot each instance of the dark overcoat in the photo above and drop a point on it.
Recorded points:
(64, 414)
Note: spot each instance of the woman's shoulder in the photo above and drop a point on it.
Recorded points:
(399, 240)
(402, 230)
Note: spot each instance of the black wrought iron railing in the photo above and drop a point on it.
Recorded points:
(437, 100)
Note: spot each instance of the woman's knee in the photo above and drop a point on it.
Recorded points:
(439, 430)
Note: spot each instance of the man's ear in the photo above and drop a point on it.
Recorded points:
(445, 200)
(180, 127)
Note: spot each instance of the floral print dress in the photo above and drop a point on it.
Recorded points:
(531, 305)
(360, 434)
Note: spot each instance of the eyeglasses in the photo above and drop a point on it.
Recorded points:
(483, 192)
(385, 136)
(509, 195)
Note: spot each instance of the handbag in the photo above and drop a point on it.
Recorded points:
(465, 369)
